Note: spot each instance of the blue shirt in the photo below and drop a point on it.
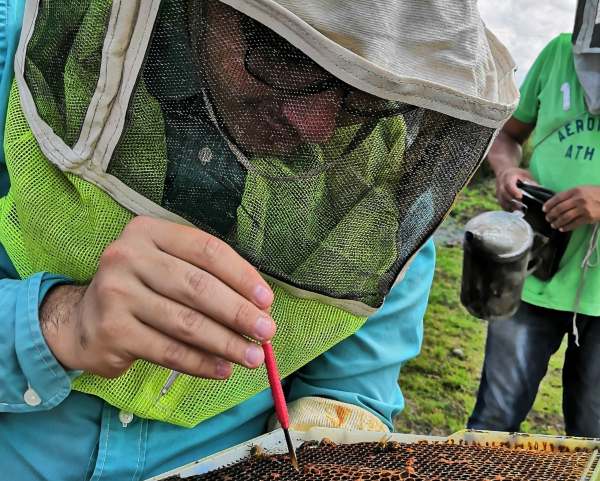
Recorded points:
(48, 432)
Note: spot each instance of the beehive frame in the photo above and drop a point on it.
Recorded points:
(273, 444)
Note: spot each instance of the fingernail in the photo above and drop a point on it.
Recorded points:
(263, 296)
(553, 226)
(543, 208)
(254, 356)
(223, 369)
(263, 329)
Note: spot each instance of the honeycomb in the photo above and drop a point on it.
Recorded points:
(423, 461)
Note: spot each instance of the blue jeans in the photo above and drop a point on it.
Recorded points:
(516, 359)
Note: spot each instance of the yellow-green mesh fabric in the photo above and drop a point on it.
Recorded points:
(50, 220)
(192, 400)
(56, 222)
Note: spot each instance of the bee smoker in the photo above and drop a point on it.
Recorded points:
(497, 255)
(501, 249)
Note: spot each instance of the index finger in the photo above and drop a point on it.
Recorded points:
(211, 254)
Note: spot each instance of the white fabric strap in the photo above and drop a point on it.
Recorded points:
(585, 265)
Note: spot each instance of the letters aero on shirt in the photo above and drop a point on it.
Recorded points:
(586, 123)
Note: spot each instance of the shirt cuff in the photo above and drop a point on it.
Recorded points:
(48, 382)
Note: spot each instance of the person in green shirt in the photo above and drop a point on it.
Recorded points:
(557, 113)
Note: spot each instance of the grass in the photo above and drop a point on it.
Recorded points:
(440, 386)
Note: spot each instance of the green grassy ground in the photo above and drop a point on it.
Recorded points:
(440, 386)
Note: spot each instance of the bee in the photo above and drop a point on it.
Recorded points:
(326, 442)
(382, 444)
(258, 452)
(394, 446)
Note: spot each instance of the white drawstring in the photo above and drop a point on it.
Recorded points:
(585, 264)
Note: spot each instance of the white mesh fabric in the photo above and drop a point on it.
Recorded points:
(434, 53)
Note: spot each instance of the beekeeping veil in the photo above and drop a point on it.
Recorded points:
(324, 141)
(586, 47)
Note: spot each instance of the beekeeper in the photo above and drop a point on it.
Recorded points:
(189, 177)
(559, 114)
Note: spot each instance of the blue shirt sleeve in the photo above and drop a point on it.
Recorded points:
(11, 14)
(30, 377)
(364, 369)
(11, 18)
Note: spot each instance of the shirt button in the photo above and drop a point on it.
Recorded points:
(125, 418)
(32, 398)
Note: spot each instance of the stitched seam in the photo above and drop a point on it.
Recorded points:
(127, 75)
(137, 466)
(105, 451)
(89, 464)
(104, 68)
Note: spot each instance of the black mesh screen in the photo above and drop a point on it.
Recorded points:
(316, 183)
(63, 61)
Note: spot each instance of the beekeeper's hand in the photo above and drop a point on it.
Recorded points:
(311, 411)
(506, 186)
(573, 208)
(504, 158)
(167, 293)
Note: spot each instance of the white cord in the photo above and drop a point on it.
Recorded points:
(585, 264)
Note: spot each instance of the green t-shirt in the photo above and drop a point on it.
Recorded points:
(566, 154)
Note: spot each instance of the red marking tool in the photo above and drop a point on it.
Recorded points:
(279, 399)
